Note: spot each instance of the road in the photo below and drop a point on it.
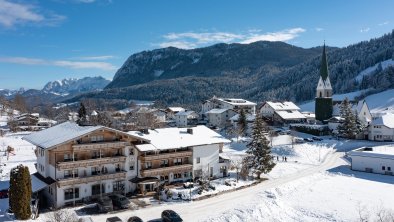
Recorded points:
(200, 210)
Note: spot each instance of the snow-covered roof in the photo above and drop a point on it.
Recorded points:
(378, 151)
(174, 138)
(249, 117)
(217, 111)
(185, 113)
(290, 114)
(94, 113)
(59, 134)
(335, 119)
(45, 120)
(308, 114)
(176, 109)
(237, 102)
(385, 120)
(283, 105)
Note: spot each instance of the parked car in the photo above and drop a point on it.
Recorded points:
(105, 205)
(113, 219)
(317, 138)
(134, 219)
(188, 185)
(308, 139)
(120, 201)
(298, 140)
(170, 216)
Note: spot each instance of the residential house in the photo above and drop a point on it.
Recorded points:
(228, 103)
(219, 117)
(281, 112)
(176, 155)
(30, 122)
(83, 162)
(382, 128)
(186, 118)
(171, 111)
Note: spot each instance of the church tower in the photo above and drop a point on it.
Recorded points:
(323, 101)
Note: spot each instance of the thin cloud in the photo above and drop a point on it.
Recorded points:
(318, 29)
(284, 35)
(383, 23)
(365, 30)
(188, 40)
(96, 58)
(12, 14)
(60, 63)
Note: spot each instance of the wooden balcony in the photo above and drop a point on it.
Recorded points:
(179, 154)
(100, 145)
(90, 162)
(92, 178)
(166, 170)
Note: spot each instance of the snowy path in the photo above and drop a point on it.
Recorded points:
(202, 210)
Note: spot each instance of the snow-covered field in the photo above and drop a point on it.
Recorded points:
(23, 154)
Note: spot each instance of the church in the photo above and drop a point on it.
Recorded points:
(325, 107)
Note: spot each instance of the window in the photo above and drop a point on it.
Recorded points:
(96, 138)
(177, 175)
(388, 168)
(178, 161)
(131, 152)
(96, 189)
(70, 193)
(186, 174)
(69, 173)
(96, 154)
(117, 167)
(383, 168)
(118, 186)
(67, 157)
(148, 165)
(95, 170)
(131, 166)
(164, 163)
(198, 160)
(118, 152)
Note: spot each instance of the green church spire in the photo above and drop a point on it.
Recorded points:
(324, 65)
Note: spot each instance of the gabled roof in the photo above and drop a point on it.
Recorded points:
(290, 114)
(385, 120)
(174, 138)
(185, 113)
(59, 134)
(283, 105)
(176, 109)
(217, 111)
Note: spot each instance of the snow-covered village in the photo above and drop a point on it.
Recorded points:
(265, 124)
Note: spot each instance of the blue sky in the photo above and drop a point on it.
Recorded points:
(45, 40)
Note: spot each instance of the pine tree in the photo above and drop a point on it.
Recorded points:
(242, 123)
(348, 127)
(82, 116)
(20, 192)
(259, 159)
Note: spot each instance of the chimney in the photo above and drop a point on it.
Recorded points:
(145, 131)
(190, 131)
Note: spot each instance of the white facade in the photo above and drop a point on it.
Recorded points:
(206, 161)
(324, 89)
(373, 160)
(382, 128)
(182, 119)
(219, 117)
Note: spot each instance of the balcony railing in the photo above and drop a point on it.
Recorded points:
(90, 162)
(165, 155)
(167, 170)
(91, 178)
(100, 145)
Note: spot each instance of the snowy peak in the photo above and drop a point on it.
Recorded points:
(72, 85)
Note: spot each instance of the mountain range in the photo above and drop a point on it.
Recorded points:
(59, 90)
(257, 71)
